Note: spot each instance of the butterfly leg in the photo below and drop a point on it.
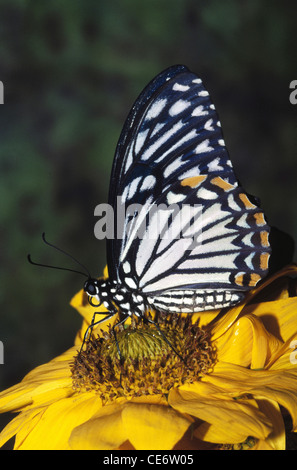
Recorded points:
(115, 336)
(88, 331)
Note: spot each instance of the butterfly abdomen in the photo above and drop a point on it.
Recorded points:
(191, 301)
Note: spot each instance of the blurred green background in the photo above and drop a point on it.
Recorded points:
(71, 71)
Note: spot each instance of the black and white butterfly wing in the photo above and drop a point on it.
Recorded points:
(187, 234)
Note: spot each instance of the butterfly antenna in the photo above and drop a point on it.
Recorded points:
(55, 267)
(86, 273)
(67, 254)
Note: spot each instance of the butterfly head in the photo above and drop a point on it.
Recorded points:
(96, 289)
(91, 287)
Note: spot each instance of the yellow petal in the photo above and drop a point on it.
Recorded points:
(223, 323)
(146, 426)
(228, 318)
(286, 357)
(225, 421)
(205, 318)
(104, 431)
(262, 445)
(52, 432)
(277, 385)
(279, 316)
(277, 438)
(202, 388)
(22, 421)
(43, 385)
(55, 369)
(153, 427)
(247, 343)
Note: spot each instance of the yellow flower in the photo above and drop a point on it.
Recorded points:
(218, 381)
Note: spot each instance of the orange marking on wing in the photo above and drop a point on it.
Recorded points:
(193, 181)
(248, 204)
(259, 216)
(254, 279)
(218, 181)
(264, 258)
(264, 238)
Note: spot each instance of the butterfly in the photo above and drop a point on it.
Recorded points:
(214, 247)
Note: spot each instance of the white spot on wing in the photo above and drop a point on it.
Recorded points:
(156, 108)
(248, 261)
(204, 193)
(199, 111)
(214, 165)
(208, 125)
(242, 222)
(179, 87)
(232, 203)
(140, 140)
(173, 198)
(178, 107)
(126, 267)
(130, 282)
(133, 187)
(148, 183)
(203, 93)
(203, 147)
(247, 240)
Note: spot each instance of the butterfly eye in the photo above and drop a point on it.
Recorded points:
(90, 288)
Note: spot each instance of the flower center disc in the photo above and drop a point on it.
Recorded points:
(136, 344)
(153, 358)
